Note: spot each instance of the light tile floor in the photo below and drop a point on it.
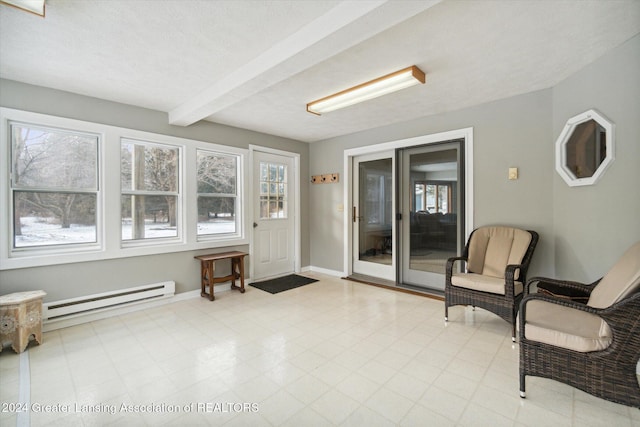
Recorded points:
(330, 353)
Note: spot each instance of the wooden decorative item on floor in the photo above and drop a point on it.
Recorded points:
(208, 268)
(21, 317)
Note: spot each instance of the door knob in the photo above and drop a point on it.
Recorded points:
(255, 224)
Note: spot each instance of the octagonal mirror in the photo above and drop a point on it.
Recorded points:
(584, 149)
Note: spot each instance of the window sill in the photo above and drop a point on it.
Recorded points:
(40, 260)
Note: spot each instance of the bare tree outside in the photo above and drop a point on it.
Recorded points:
(217, 192)
(149, 185)
(54, 185)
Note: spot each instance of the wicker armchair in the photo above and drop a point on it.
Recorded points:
(497, 259)
(594, 346)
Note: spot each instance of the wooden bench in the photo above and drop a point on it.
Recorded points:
(208, 268)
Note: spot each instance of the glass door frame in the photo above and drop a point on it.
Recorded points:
(414, 277)
(383, 271)
(347, 206)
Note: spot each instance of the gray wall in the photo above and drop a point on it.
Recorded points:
(582, 230)
(595, 224)
(509, 133)
(71, 280)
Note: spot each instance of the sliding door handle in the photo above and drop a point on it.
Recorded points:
(355, 216)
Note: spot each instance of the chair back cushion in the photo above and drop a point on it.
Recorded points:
(491, 249)
(621, 281)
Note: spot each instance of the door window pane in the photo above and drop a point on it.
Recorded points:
(434, 220)
(376, 211)
(273, 191)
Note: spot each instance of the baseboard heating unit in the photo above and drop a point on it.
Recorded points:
(60, 314)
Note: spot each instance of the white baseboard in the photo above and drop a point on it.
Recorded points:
(326, 271)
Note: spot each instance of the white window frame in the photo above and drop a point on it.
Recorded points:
(565, 136)
(108, 216)
(238, 198)
(12, 189)
(178, 238)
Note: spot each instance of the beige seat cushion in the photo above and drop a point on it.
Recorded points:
(491, 249)
(621, 281)
(566, 327)
(478, 282)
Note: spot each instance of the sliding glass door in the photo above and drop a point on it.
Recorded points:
(431, 202)
(409, 208)
(372, 215)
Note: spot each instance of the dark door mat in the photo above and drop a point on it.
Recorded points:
(281, 284)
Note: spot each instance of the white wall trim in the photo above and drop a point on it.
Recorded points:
(326, 271)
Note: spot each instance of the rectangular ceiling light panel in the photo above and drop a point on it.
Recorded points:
(33, 6)
(381, 86)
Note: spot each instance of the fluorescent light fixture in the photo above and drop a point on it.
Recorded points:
(33, 6)
(381, 86)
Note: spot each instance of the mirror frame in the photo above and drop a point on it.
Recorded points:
(565, 136)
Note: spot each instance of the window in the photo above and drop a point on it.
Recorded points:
(54, 186)
(432, 197)
(273, 190)
(80, 191)
(217, 193)
(584, 149)
(150, 190)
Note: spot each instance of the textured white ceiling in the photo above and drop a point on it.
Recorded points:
(255, 64)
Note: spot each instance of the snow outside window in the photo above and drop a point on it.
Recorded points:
(54, 186)
(149, 184)
(217, 193)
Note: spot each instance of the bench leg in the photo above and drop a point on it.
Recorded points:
(234, 272)
(207, 271)
(237, 272)
(241, 267)
(203, 278)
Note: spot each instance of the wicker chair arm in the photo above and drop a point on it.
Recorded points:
(451, 261)
(623, 313)
(550, 299)
(622, 317)
(558, 301)
(578, 286)
(510, 277)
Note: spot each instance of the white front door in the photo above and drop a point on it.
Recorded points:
(273, 216)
